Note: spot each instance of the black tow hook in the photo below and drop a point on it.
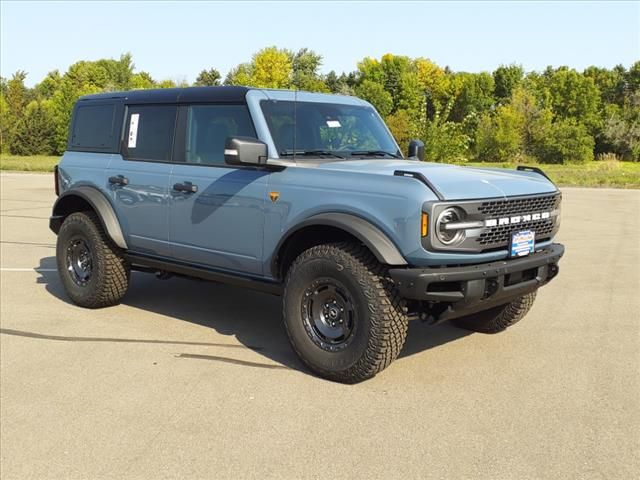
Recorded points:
(552, 271)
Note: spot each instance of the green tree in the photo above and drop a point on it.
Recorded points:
(397, 75)
(141, 81)
(432, 80)
(402, 128)
(208, 78)
(240, 75)
(343, 84)
(48, 86)
(376, 95)
(534, 121)
(88, 75)
(16, 95)
(568, 142)
(445, 141)
(13, 105)
(272, 68)
(473, 93)
(519, 129)
(499, 137)
(305, 71)
(506, 79)
(610, 83)
(622, 129)
(119, 72)
(34, 132)
(168, 83)
(4, 124)
(632, 78)
(574, 96)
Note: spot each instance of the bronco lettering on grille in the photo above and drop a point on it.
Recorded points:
(492, 222)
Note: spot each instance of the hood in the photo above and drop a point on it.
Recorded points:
(456, 182)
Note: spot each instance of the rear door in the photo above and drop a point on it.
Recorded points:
(139, 177)
(217, 211)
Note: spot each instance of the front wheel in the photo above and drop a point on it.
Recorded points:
(499, 318)
(92, 269)
(344, 318)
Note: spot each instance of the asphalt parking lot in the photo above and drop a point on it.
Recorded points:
(189, 379)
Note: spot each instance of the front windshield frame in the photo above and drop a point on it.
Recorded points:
(314, 143)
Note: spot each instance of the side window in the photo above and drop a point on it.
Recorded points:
(149, 131)
(208, 127)
(94, 128)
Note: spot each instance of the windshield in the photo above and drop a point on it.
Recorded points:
(311, 129)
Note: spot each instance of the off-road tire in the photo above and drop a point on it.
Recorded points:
(110, 271)
(497, 319)
(381, 326)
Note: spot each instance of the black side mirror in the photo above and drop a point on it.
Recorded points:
(416, 150)
(245, 151)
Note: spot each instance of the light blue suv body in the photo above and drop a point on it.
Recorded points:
(243, 217)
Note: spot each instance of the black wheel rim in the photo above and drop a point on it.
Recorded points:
(329, 314)
(79, 261)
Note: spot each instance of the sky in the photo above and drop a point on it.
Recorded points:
(177, 39)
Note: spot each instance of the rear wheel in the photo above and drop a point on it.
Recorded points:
(343, 316)
(92, 269)
(497, 319)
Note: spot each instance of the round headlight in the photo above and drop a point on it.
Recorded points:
(447, 235)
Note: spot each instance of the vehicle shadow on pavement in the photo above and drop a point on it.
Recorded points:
(253, 318)
(422, 336)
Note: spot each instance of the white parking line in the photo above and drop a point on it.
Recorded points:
(3, 269)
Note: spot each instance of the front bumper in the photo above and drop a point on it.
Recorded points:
(470, 289)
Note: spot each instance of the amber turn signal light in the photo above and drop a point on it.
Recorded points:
(425, 224)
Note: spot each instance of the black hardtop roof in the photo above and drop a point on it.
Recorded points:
(175, 95)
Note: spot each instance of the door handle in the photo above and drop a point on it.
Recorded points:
(119, 180)
(186, 187)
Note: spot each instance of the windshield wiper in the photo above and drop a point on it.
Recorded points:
(309, 153)
(373, 153)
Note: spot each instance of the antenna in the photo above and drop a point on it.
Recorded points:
(295, 119)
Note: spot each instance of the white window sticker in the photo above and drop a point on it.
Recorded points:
(133, 130)
(333, 124)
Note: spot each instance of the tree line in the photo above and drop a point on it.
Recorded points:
(559, 115)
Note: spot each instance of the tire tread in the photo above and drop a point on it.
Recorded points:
(498, 319)
(113, 281)
(387, 311)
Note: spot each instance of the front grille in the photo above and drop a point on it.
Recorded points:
(496, 236)
(498, 208)
(500, 236)
(480, 238)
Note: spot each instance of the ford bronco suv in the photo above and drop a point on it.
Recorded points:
(302, 195)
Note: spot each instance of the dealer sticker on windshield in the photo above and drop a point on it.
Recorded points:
(522, 243)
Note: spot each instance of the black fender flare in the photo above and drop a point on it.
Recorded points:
(377, 241)
(100, 205)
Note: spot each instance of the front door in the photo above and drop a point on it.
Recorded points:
(217, 212)
(139, 177)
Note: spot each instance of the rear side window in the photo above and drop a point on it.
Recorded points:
(209, 126)
(149, 131)
(95, 128)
